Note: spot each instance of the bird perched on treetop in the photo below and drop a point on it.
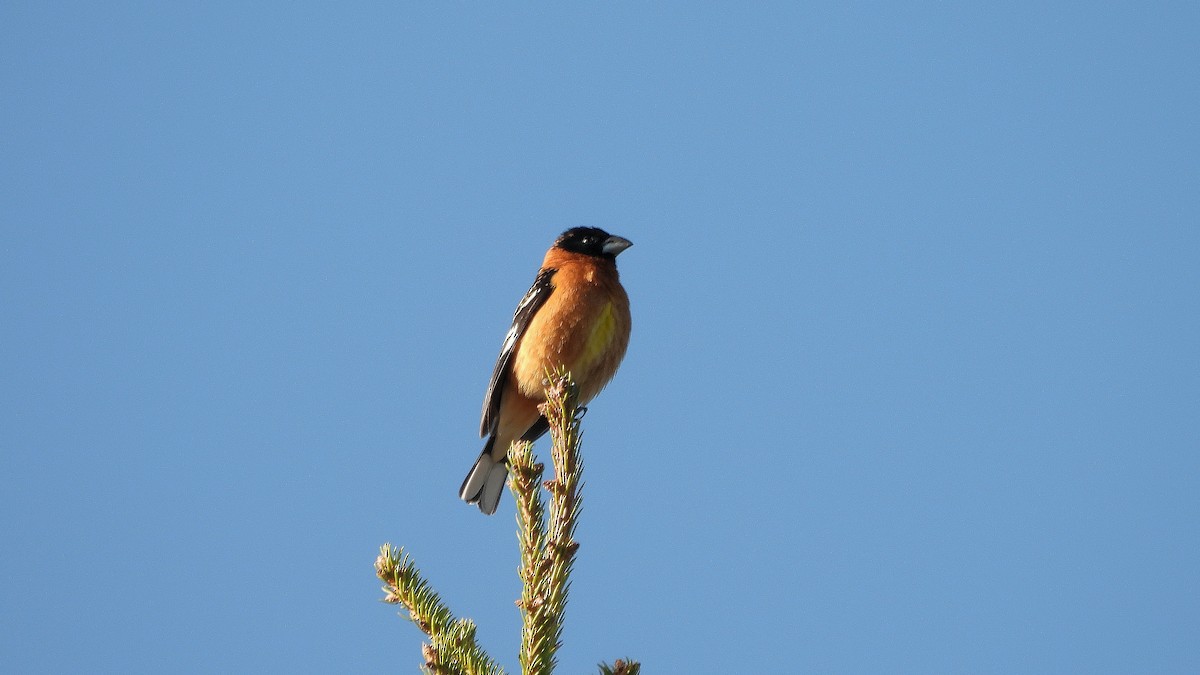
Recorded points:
(576, 315)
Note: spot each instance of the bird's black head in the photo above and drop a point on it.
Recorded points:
(592, 241)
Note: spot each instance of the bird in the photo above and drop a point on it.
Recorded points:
(574, 316)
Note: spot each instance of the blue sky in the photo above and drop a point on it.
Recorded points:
(913, 384)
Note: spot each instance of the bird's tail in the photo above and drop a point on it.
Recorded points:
(485, 481)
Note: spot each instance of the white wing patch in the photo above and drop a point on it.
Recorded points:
(510, 339)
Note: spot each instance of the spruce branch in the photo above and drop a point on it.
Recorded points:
(621, 667)
(560, 410)
(452, 649)
(537, 643)
(548, 548)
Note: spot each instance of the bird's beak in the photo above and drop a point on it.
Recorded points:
(614, 245)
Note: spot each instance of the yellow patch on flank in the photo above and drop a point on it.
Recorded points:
(600, 337)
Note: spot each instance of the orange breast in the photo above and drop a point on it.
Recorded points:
(583, 326)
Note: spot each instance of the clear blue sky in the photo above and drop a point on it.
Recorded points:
(913, 386)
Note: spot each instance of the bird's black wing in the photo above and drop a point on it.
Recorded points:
(533, 300)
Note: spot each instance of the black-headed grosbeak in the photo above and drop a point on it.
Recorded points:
(575, 315)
